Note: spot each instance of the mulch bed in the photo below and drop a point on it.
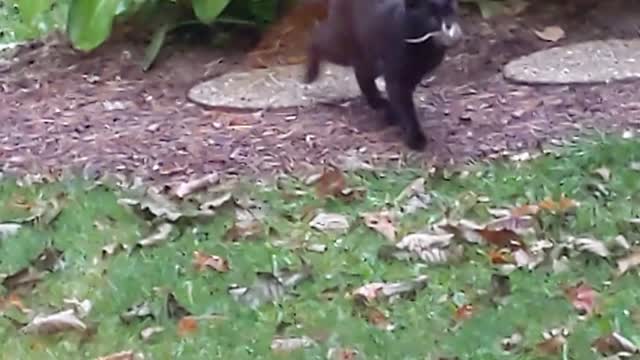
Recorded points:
(99, 111)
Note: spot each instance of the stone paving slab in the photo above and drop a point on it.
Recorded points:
(591, 62)
(277, 87)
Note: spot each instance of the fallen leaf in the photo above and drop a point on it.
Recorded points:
(615, 344)
(282, 344)
(431, 248)
(554, 341)
(604, 173)
(463, 312)
(147, 333)
(352, 161)
(382, 290)
(139, 311)
(13, 300)
(123, 355)
(247, 230)
(379, 319)
(583, 297)
(81, 308)
(266, 288)
(112, 249)
(203, 261)
(501, 256)
(155, 204)
(512, 342)
(217, 202)
(194, 185)
(503, 238)
(349, 195)
(331, 183)
(629, 262)
(25, 277)
(561, 206)
(382, 222)
(593, 246)
(49, 259)
(187, 325)
(414, 188)
(330, 222)
(8, 229)
(342, 354)
(159, 236)
(175, 310)
(50, 324)
(550, 33)
(525, 210)
(270, 287)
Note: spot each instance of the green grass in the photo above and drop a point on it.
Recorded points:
(424, 324)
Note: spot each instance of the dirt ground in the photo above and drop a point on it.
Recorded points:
(99, 111)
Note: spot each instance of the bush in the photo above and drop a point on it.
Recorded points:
(89, 23)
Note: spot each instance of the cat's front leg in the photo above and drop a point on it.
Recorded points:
(402, 108)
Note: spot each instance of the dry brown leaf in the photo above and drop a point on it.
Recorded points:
(378, 318)
(50, 324)
(13, 300)
(550, 33)
(330, 222)
(159, 236)
(122, 355)
(583, 297)
(203, 261)
(192, 186)
(245, 230)
(382, 222)
(187, 325)
(500, 256)
(378, 290)
(553, 342)
(629, 262)
(23, 278)
(525, 210)
(147, 333)
(331, 183)
(503, 238)
(615, 344)
(281, 344)
(463, 312)
(561, 206)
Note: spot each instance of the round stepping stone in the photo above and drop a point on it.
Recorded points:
(591, 62)
(276, 87)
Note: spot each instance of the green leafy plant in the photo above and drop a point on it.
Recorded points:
(91, 22)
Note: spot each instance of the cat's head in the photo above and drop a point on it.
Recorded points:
(437, 19)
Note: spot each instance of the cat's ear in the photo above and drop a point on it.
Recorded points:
(412, 4)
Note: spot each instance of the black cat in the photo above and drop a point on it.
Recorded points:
(401, 40)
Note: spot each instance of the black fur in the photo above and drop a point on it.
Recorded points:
(370, 36)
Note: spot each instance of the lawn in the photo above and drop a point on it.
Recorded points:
(257, 272)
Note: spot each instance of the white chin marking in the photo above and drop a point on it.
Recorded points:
(421, 39)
